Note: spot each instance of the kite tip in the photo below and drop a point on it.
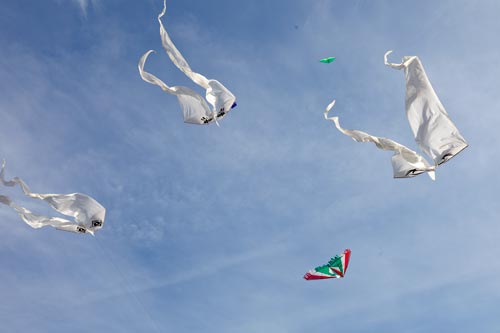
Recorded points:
(386, 55)
(329, 107)
(144, 57)
(163, 11)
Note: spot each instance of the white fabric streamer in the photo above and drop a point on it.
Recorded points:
(433, 129)
(405, 162)
(194, 107)
(88, 214)
(434, 132)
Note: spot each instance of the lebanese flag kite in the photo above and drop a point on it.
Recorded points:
(335, 269)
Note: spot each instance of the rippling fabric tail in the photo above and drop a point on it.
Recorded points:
(405, 162)
(194, 108)
(88, 214)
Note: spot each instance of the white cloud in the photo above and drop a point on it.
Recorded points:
(84, 5)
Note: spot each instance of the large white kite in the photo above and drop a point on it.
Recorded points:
(88, 214)
(434, 132)
(194, 107)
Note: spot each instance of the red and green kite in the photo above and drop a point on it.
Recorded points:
(335, 269)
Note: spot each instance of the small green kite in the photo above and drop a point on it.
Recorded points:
(327, 60)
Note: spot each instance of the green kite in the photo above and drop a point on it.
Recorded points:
(327, 60)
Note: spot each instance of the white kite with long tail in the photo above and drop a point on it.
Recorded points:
(194, 107)
(434, 131)
(88, 214)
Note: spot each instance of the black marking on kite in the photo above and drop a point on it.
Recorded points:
(221, 113)
(97, 223)
(414, 172)
(445, 158)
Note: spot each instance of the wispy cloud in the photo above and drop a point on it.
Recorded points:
(85, 5)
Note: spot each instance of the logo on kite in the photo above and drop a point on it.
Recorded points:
(327, 60)
(96, 223)
(335, 269)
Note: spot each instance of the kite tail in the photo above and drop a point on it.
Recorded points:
(175, 56)
(390, 64)
(18, 181)
(11, 183)
(2, 177)
(334, 119)
(20, 210)
(163, 11)
(24, 213)
(5, 200)
(150, 78)
(406, 61)
(405, 162)
(33, 220)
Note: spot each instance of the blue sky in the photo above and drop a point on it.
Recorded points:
(212, 228)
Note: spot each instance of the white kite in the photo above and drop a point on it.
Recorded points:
(88, 214)
(433, 129)
(194, 107)
(434, 132)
